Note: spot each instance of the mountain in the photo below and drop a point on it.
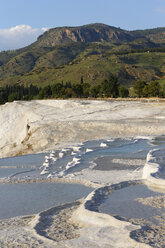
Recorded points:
(88, 33)
(156, 35)
(92, 51)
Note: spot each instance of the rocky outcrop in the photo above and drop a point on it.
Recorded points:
(87, 33)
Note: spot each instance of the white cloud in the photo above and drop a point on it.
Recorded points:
(44, 29)
(19, 36)
(161, 10)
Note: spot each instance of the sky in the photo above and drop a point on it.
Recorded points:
(22, 21)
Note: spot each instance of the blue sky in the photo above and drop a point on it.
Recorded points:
(21, 21)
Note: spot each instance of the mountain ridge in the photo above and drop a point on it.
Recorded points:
(93, 51)
(107, 30)
(87, 33)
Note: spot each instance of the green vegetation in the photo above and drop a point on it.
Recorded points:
(151, 89)
(94, 68)
(93, 52)
(18, 92)
(108, 88)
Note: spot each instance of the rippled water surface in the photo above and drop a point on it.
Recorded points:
(27, 199)
(124, 203)
(113, 154)
(60, 163)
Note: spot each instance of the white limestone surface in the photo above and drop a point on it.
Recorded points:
(152, 169)
(35, 126)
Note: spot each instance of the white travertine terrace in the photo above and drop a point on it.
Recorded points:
(35, 126)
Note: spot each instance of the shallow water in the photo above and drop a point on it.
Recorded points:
(117, 148)
(159, 141)
(27, 199)
(114, 154)
(64, 161)
(69, 161)
(111, 163)
(16, 165)
(24, 160)
(123, 203)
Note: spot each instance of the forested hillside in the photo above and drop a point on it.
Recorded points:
(93, 52)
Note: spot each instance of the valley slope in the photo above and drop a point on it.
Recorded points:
(92, 51)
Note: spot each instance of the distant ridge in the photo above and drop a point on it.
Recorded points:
(92, 51)
(96, 32)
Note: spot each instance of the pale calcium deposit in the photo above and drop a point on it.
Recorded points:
(35, 126)
(29, 127)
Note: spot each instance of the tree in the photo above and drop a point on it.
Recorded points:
(45, 92)
(85, 87)
(68, 92)
(123, 91)
(81, 80)
(78, 90)
(139, 87)
(57, 90)
(2, 96)
(13, 96)
(154, 89)
(110, 87)
(95, 90)
(32, 91)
